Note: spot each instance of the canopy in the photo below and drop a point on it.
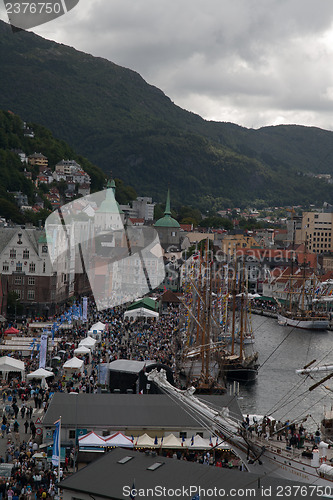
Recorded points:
(197, 443)
(99, 326)
(8, 364)
(40, 373)
(89, 341)
(74, 363)
(119, 439)
(171, 441)
(141, 312)
(82, 350)
(12, 330)
(91, 439)
(145, 441)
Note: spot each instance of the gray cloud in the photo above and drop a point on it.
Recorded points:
(255, 62)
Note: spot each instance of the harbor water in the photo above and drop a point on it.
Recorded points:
(278, 390)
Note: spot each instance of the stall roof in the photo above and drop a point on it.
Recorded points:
(129, 365)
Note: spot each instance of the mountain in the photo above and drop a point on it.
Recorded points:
(122, 124)
(12, 177)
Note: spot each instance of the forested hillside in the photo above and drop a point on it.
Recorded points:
(124, 125)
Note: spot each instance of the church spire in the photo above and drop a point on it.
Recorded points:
(167, 210)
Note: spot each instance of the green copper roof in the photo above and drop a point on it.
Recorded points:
(109, 205)
(42, 238)
(167, 220)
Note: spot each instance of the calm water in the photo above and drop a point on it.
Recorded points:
(279, 390)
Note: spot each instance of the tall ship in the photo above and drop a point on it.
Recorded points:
(300, 307)
(258, 455)
(218, 327)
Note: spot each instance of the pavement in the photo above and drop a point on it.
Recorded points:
(37, 414)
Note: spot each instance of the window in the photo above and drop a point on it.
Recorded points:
(32, 267)
(71, 434)
(44, 267)
(31, 294)
(18, 280)
(18, 293)
(31, 281)
(5, 266)
(26, 254)
(19, 266)
(12, 254)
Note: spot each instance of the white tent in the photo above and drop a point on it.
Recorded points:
(40, 373)
(99, 327)
(82, 350)
(141, 312)
(145, 441)
(88, 342)
(91, 439)
(197, 443)
(171, 441)
(73, 364)
(119, 439)
(8, 364)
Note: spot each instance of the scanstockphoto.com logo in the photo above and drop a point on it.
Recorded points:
(23, 14)
(90, 235)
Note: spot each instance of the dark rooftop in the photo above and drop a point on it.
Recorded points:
(117, 472)
(127, 411)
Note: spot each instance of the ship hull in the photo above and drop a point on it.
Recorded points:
(242, 374)
(287, 467)
(306, 324)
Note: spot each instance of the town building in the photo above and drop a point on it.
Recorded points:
(39, 160)
(168, 229)
(317, 230)
(26, 268)
(236, 240)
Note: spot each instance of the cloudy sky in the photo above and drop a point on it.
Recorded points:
(251, 62)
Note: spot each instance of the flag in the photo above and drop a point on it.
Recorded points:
(210, 441)
(56, 444)
(43, 351)
(133, 490)
(183, 440)
(155, 441)
(85, 309)
(192, 441)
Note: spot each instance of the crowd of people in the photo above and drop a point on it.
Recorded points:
(23, 400)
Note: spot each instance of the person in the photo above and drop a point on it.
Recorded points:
(279, 427)
(317, 437)
(10, 493)
(26, 426)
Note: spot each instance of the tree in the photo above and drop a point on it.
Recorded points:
(14, 306)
